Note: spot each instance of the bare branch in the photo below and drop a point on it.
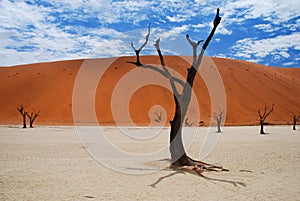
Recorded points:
(262, 117)
(166, 71)
(20, 109)
(133, 46)
(216, 22)
(23, 113)
(194, 46)
(32, 117)
(193, 70)
(162, 72)
(268, 113)
(146, 41)
(218, 116)
(258, 111)
(137, 51)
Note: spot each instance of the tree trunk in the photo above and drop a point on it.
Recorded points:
(219, 127)
(262, 127)
(178, 154)
(294, 125)
(137, 53)
(24, 121)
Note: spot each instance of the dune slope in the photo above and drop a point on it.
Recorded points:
(123, 90)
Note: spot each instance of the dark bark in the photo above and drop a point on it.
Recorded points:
(219, 127)
(262, 127)
(178, 154)
(296, 118)
(24, 121)
(23, 113)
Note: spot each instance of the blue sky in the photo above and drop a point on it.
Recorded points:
(265, 32)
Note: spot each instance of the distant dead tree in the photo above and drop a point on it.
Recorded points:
(296, 118)
(187, 123)
(32, 116)
(158, 117)
(137, 51)
(182, 98)
(23, 113)
(262, 117)
(218, 117)
(201, 123)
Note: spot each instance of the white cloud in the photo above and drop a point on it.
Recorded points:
(51, 33)
(223, 30)
(111, 48)
(199, 25)
(19, 14)
(178, 18)
(172, 33)
(265, 27)
(251, 47)
(290, 63)
(275, 10)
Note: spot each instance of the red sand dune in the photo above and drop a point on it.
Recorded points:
(49, 87)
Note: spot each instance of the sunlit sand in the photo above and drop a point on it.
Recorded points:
(51, 163)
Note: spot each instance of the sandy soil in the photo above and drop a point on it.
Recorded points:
(50, 163)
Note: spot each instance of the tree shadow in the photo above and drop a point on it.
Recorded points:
(194, 172)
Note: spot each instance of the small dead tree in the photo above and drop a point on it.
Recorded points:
(137, 51)
(158, 117)
(296, 118)
(262, 117)
(179, 158)
(218, 117)
(201, 123)
(23, 113)
(32, 116)
(187, 123)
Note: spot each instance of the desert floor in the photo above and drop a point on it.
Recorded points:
(51, 163)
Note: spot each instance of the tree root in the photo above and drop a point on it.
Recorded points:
(196, 167)
(188, 164)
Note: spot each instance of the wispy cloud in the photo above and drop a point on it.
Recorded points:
(259, 49)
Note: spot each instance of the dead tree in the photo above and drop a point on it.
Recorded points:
(23, 113)
(218, 117)
(187, 123)
(296, 118)
(137, 51)
(179, 157)
(32, 116)
(158, 117)
(201, 123)
(262, 117)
